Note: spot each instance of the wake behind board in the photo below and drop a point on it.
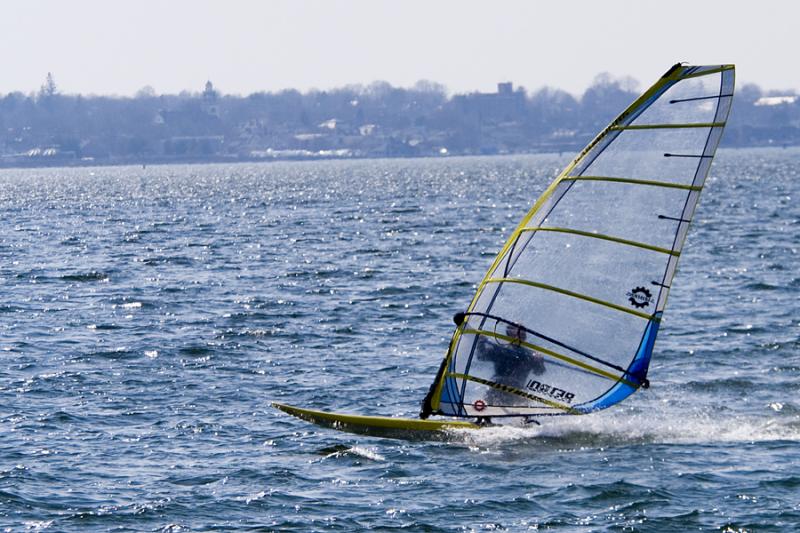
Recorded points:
(379, 426)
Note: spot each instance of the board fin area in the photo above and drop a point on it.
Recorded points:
(379, 426)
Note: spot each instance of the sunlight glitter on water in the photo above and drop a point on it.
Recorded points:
(139, 370)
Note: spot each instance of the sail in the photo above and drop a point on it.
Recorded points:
(565, 320)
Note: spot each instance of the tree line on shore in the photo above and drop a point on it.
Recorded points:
(376, 120)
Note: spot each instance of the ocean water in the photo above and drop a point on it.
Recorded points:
(148, 316)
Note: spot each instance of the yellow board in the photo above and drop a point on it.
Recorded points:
(379, 426)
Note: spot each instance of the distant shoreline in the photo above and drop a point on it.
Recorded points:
(229, 160)
(50, 129)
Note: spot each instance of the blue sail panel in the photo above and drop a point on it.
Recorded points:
(638, 370)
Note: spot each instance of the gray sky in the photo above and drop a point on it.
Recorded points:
(117, 47)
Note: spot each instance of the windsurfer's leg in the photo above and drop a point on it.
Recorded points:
(425, 409)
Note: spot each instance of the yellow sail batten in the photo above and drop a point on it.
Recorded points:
(606, 238)
(668, 126)
(708, 72)
(652, 183)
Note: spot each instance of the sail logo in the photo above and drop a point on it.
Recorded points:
(549, 390)
(640, 297)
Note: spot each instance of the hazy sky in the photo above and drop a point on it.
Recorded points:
(118, 47)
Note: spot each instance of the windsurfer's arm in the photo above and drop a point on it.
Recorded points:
(537, 363)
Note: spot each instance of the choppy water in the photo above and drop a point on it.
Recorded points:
(148, 316)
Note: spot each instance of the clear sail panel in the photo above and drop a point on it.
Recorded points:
(639, 213)
(663, 155)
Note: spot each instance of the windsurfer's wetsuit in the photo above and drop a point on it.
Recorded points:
(512, 366)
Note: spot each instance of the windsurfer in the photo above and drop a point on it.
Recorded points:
(513, 363)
